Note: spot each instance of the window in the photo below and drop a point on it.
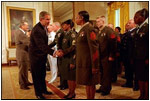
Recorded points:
(117, 18)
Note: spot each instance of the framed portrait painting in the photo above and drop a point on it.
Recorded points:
(16, 15)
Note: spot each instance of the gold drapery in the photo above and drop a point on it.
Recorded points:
(124, 13)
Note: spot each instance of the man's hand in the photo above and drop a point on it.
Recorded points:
(58, 53)
(111, 59)
(72, 66)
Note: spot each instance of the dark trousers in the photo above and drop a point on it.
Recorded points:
(38, 70)
(128, 70)
(106, 76)
(114, 70)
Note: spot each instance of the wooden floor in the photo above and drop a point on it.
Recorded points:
(11, 90)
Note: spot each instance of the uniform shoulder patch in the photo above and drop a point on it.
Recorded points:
(92, 35)
(118, 39)
(95, 56)
(112, 36)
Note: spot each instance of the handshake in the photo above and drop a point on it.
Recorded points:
(58, 53)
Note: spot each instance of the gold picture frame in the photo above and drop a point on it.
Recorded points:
(14, 16)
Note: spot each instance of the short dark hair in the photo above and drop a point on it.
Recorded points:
(69, 22)
(143, 12)
(85, 15)
(118, 28)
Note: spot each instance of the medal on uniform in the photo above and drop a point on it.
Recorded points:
(141, 34)
(59, 35)
(73, 35)
(64, 40)
(73, 42)
(82, 34)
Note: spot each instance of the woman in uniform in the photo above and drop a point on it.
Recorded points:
(87, 67)
(68, 59)
(141, 52)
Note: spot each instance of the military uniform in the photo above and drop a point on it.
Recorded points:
(141, 52)
(87, 56)
(58, 41)
(126, 44)
(68, 47)
(107, 48)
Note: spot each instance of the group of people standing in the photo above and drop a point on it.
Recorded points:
(86, 57)
(133, 48)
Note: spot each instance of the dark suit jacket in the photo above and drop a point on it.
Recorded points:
(22, 43)
(38, 48)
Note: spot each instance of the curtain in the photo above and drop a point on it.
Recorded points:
(124, 13)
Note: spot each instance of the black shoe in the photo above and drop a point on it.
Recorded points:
(71, 97)
(66, 96)
(29, 84)
(48, 93)
(59, 86)
(40, 97)
(104, 93)
(114, 80)
(24, 87)
(123, 77)
(127, 85)
(63, 88)
(135, 88)
(98, 91)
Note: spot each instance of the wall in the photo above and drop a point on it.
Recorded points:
(135, 6)
(94, 9)
(65, 16)
(38, 6)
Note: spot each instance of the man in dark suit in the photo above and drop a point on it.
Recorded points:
(22, 43)
(38, 50)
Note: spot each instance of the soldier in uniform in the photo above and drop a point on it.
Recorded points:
(126, 52)
(87, 55)
(58, 41)
(118, 59)
(107, 48)
(141, 52)
(68, 59)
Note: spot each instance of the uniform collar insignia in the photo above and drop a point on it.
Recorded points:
(141, 34)
(59, 34)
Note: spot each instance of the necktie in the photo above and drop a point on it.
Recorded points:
(46, 31)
